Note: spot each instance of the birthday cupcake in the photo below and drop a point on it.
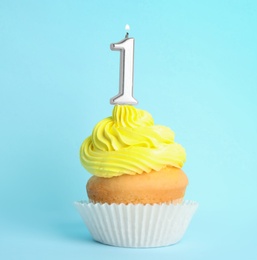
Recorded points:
(137, 188)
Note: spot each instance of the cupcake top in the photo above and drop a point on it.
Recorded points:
(128, 142)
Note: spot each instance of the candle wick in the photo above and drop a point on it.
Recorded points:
(127, 34)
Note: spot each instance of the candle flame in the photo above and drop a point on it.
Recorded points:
(127, 27)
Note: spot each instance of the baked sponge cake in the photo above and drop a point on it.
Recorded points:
(133, 160)
(167, 185)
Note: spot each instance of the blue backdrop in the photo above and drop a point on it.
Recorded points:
(195, 71)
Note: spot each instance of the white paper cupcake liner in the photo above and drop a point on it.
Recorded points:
(137, 225)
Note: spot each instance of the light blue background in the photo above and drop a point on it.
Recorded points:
(195, 71)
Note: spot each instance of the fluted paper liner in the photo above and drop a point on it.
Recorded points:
(137, 225)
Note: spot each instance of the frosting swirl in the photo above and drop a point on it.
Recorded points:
(128, 142)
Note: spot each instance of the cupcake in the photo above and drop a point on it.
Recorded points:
(137, 188)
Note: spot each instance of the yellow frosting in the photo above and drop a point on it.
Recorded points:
(128, 142)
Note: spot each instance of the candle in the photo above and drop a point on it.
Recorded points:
(126, 48)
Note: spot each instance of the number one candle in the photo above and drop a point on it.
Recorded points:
(126, 48)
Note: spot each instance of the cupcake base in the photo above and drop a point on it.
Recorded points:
(137, 225)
